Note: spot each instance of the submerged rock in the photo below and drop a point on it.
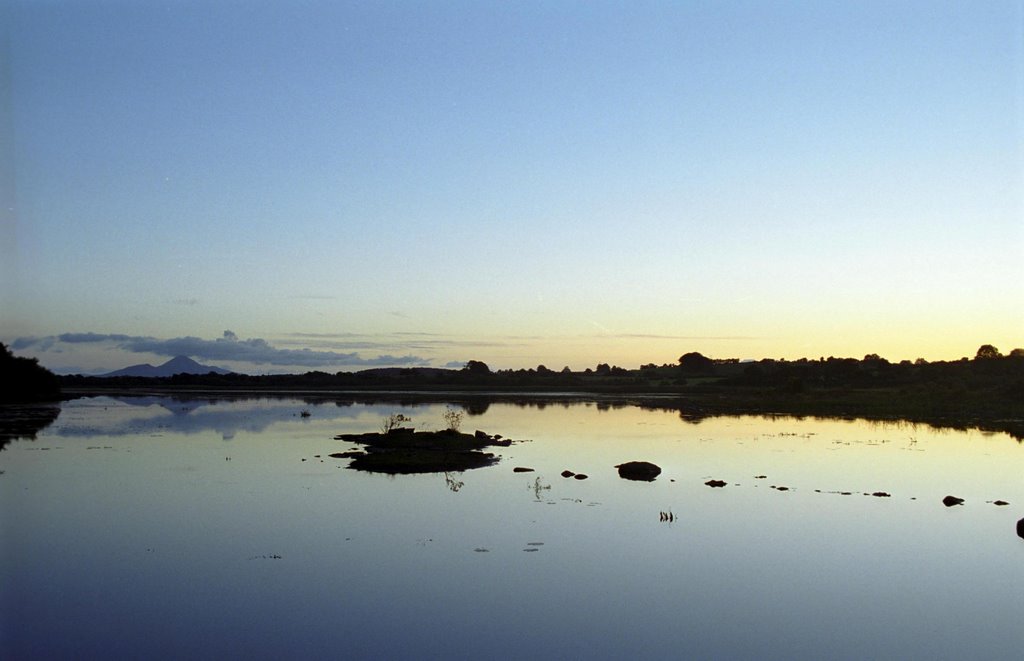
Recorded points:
(950, 501)
(351, 454)
(639, 470)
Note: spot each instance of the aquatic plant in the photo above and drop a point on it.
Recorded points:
(452, 419)
(393, 421)
(537, 487)
(453, 484)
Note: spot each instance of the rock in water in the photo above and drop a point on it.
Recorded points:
(950, 501)
(639, 470)
(715, 483)
(1020, 529)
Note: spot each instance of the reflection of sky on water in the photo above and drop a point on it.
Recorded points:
(124, 544)
(118, 416)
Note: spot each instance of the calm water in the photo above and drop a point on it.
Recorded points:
(149, 527)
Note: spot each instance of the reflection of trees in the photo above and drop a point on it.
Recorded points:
(24, 422)
(190, 415)
(476, 406)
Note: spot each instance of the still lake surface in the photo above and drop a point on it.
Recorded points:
(165, 528)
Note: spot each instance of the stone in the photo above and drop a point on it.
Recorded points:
(580, 476)
(522, 469)
(643, 471)
(351, 454)
(567, 473)
(716, 483)
(1000, 503)
(1020, 529)
(881, 494)
(950, 501)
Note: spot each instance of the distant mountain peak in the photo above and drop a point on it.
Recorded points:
(176, 365)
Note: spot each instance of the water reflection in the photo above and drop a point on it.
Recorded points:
(116, 541)
(230, 414)
(25, 421)
(188, 415)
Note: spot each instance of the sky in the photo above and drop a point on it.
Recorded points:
(282, 186)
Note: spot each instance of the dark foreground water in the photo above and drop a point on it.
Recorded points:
(153, 528)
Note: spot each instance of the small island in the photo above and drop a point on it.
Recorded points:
(403, 450)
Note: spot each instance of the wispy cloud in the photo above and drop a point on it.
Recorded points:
(399, 341)
(651, 336)
(229, 347)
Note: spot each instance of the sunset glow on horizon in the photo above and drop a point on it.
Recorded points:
(274, 187)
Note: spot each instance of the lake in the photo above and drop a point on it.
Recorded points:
(200, 528)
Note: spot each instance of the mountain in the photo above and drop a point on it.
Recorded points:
(176, 365)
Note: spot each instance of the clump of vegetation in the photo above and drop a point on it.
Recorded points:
(25, 380)
(452, 419)
(394, 421)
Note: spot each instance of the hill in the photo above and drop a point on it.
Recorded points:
(176, 365)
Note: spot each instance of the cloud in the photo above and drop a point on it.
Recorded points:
(82, 338)
(402, 340)
(648, 336)
(226, 348)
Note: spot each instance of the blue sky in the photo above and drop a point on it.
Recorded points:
(562, 183)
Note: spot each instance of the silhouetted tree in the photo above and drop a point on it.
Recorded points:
(987, 351)
(694, 362)
(477, 367)
(25, 380)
